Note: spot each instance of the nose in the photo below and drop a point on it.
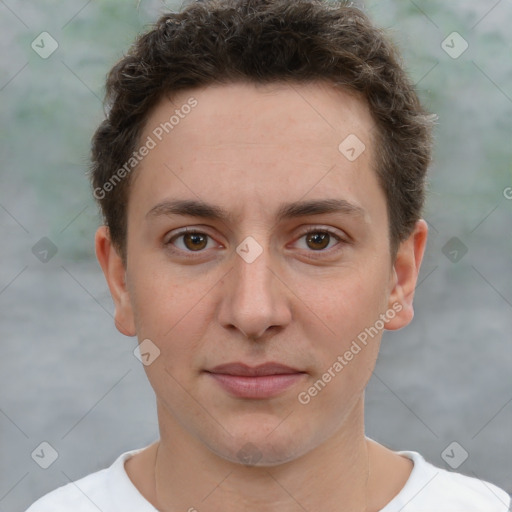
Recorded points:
(255, 299)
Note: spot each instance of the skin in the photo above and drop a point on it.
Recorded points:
(296, 304)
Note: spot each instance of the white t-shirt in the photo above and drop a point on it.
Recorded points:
(428, 489)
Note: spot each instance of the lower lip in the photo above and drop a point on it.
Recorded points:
(263, 386)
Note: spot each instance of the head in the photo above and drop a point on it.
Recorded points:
(287, 140)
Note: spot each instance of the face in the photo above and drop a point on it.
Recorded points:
(255, 238)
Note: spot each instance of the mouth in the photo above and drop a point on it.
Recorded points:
(258, 382)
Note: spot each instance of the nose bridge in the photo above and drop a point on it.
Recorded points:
(253, 284)
(252, 271)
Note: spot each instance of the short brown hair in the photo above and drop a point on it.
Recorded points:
(266, 41)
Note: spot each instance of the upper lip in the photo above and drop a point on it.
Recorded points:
(253, 371)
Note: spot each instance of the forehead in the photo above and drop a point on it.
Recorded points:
(262, 110)
(261, 141)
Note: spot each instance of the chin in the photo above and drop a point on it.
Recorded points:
(264, 444)
(260, 454)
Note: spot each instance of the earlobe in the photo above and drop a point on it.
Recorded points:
(405, 276)
(115, 275)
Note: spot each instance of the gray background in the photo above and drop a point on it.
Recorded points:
(69, 378)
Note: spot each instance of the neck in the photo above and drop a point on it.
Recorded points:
(332, 476)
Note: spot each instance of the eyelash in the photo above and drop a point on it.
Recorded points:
(191, 254)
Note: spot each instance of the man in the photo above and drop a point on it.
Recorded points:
(261, 176)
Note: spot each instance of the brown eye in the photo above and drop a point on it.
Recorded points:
(318, 240)
(321, 241)
(190, 241)
(195, 241)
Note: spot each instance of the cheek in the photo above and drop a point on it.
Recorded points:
(169, 310)
(174, 319)
(348, 315)
(347, 353)
(350, 302)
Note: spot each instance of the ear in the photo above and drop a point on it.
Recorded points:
(115, 274)
(405, 276)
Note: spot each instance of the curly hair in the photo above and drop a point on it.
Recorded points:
(266, 41)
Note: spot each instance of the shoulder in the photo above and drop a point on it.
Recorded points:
(432, 488)
(97, 491)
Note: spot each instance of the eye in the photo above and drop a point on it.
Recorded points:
(189, 240)
(320, 239)
(194, 241)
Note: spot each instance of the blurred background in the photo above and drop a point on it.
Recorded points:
(68, 378)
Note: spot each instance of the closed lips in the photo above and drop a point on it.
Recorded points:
(243, 370)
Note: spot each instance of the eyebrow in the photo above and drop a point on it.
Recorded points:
(195, 208)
